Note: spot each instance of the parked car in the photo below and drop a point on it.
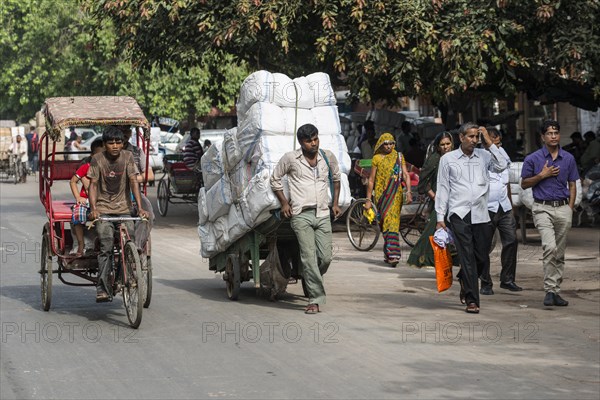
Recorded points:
(169, 141)
(214, 135)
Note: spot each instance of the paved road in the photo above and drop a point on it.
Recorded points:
(384, 333)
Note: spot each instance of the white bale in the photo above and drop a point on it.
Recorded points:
(236, 225)
(327, 120)
(240, 176)
(284, 90)
(258, 197)
(212, 165)
(270, 149)
(219, 198)
(261, 119)
(295, 118)
(202, 208)
(221, 232)
(526, 197)
(516, 200)
(320, 85)
(257, 87)
(232, 153)
(337, 145)
(514, 172)
(304, 91)
(345, 197)
(213, 238)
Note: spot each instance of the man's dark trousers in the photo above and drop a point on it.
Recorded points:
(472, 242)
(507, 227)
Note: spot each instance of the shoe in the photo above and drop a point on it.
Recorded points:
(486, 290)
(101, 295)
(549, 299)
(311, 309)
(511, 286)
(472, 308)
(392, 262)
(559, 301)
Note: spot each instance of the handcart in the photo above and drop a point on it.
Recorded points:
(178, 185)
(131, 272)
(364, 233)
(241, 261)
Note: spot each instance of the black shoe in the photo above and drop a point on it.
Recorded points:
(486, 290)
(511, 286)
(549, 299)
(559, 301)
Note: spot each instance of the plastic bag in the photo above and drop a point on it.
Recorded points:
(443, 266)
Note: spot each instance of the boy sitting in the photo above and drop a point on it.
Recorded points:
(81, 208)
(113, 176)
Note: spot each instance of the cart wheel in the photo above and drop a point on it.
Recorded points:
(133, 290)
(412, 229)
(147, 274)
(362, 234)
(46, 273)
(162, 197)
(232, 271)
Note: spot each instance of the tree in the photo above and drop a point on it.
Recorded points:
(382, 49)
(55, 48)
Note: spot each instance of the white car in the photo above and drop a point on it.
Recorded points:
(169, 141)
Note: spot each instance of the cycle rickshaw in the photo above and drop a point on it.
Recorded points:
(131, 271)
(364, 234)
(10, 164)
(178, 185)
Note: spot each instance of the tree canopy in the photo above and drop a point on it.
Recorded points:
(56, 48)
(382, 49)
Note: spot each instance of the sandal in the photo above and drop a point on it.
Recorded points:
(311, 309)
(101, 295)
(472, 308)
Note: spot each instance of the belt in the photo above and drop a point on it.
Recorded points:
(553, 203)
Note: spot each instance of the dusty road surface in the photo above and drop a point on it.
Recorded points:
(384, 333)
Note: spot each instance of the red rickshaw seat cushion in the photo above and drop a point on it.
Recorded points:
(61, 210)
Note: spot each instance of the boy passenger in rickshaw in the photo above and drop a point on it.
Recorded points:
(113, 177)
(81, 208)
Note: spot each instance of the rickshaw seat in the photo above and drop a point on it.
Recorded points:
(63, 170)
(61, 210)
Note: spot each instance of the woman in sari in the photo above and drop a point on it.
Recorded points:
(422, 254)
(388, 170)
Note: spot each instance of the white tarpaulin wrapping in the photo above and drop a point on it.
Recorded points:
(327, 120)
(345, 197)
(202, 209)
(320, 86)
(337, 145)
(212, 165)
(295, 118)
(258, 87)
(231, 150)
(214, 237)
(263, 119)
(240, 176)
(515, 191)
(236, 224)
(219, 198)
(258, 197)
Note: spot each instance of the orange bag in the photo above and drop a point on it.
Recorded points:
(443, 266)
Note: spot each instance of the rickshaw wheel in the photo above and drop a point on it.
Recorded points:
(162, 197)
(133, 290)
(411, 230)
(46, 273)
(147, 274)
(232, 271)
(363, 234)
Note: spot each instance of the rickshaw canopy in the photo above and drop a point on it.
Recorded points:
(64, 112)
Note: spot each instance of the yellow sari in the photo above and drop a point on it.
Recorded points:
(388, 195)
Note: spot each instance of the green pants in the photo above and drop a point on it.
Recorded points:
(314, 238)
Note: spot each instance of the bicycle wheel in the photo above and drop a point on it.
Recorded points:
(411, 230)
(46, 273)
(162, 197)
(363, 234)
(147, 274)
(133, 290)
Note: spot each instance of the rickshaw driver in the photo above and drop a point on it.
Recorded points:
(113, 176)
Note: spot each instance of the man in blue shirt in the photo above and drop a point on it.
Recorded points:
(552, 173)
(462, 199)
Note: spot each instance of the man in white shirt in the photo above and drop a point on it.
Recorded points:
(462, 199)
(501, 216)
(19, 147)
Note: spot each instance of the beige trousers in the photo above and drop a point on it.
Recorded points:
(553, 223)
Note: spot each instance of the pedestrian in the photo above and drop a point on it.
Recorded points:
(552, 174)
(501, 218)
(422, 254)
(311, 172)
(192, 152)
(367, 146)
(388, 171)
(32, 149)
(591, 155)
(19, 148)
(462, 198)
